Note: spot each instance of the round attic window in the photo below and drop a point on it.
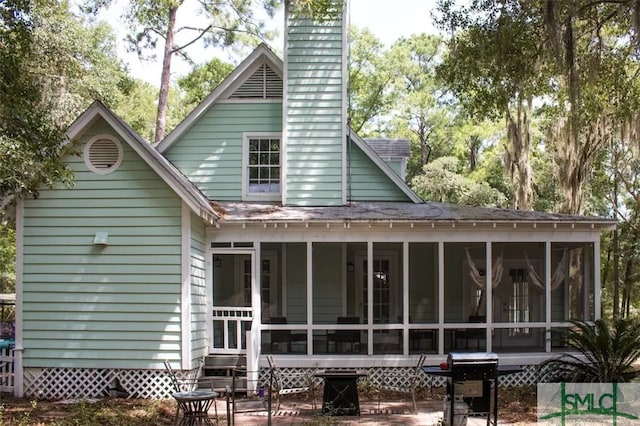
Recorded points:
(103, 154)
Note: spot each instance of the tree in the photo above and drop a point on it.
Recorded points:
(222, 24)
(442, 182)
(417, 100)
(30, 140)
(492, 68)
(51, 68)
(202, 80)
(371, 74)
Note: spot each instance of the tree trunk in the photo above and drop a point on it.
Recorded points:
(161, 119)
(517, 163)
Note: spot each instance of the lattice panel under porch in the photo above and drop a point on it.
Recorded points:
(400, 377)
(64, 383)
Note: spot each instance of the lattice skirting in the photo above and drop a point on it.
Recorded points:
(400, 377)
(64, 383)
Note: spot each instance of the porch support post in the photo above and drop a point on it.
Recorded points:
(440, 297)
(405, 297)
(369, 296)
(489, 298)
(547, 292)
(185, 288)
(597, 290)
(309, 297)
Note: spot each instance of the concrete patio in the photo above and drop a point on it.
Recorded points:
(390, 413)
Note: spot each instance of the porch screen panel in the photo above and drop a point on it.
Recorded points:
(295, 282)
(423, 283)
(572, 280)
(387, 284)
(464, 276)
(328, 276)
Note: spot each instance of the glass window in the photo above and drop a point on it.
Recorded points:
(262, 166)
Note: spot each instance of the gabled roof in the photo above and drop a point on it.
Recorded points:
(386, 169)
(390, 148)
(253, 61)
(182, 186)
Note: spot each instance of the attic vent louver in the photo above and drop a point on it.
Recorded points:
(264, 83)
(103, 154)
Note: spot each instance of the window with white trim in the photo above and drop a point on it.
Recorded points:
(261, 167)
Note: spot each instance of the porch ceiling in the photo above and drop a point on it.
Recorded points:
(379, 212)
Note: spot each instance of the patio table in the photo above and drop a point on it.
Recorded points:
(340, 396)
(195, 407)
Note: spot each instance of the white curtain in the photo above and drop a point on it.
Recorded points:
(556, 279)
(480, 280)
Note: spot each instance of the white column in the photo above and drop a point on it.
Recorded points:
(405, 296)
(489, 290)
(369, 319)
(547, 292)
(309, 297)
(440, 297)
(597, 290)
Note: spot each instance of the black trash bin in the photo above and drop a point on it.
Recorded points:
(472, 387)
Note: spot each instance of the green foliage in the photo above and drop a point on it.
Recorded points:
(7, 258)
(605, 353)
(442, 182)
(202, 80)
(370, 74)
(30, 139)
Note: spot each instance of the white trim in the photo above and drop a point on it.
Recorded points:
(369, 297)
(86, 152)
(345, 112)
(309, 295)
(284, 144)
(405, 296)
(18, 370)
(597, 306)
(185, 287)
(251, 196)
(250, 101)
(488, 300)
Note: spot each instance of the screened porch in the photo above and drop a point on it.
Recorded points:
(379, 298)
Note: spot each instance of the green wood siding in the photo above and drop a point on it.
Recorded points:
(210, 153)
(198, 289)
(315, 112)
(367, 182)
(116, 306)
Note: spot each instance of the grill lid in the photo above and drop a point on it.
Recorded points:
(472, 358)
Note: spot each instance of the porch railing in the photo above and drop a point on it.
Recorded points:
(229, 326)
(7, 378)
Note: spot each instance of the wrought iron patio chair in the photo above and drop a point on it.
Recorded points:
(402, 382)
(188, 382)
(291, 383)
(257, 395)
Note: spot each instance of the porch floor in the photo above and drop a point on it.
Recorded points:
(295, 412)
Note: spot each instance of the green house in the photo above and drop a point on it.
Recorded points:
(264, 225)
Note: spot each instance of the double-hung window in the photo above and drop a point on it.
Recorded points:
(261, 167)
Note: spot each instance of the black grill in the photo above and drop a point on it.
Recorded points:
(473, 366)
